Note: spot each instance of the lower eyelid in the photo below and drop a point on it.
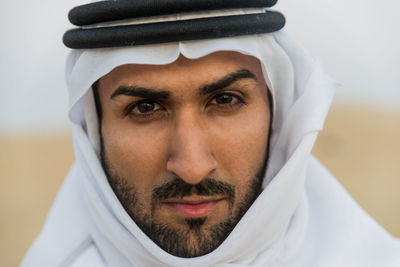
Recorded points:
(146, 116)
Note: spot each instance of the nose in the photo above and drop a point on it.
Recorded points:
(190, 155)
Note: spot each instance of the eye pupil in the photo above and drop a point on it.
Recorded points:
(224, 99)
(145, 107)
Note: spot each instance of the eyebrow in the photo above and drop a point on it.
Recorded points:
(143, 92)
(227, 81)
(140, 92)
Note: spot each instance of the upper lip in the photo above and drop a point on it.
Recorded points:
(192, 200)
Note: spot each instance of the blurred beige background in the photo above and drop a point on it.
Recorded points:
(361, 147)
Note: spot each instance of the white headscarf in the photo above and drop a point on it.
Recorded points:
(303, 217)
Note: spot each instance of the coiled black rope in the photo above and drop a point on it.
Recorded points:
(167, 31)
(164, 32)
(105, 11)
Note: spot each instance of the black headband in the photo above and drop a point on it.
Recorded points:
(163, 32)
(104, 11)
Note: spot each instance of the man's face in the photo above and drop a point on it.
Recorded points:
(184, 146)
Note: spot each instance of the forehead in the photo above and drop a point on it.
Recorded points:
(182, 70)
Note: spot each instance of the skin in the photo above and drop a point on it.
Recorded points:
(184, 152)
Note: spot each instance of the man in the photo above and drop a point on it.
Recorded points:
(197, 153)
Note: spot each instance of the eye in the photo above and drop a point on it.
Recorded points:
(143, 108)
(226, 99)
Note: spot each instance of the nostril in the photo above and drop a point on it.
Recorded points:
(192, 170)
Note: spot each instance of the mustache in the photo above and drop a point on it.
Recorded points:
(178, 188)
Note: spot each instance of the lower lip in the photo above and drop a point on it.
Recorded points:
(193, 210)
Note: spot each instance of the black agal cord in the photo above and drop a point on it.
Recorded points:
(104, 11)
(163, 32)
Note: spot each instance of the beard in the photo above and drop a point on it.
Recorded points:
(195, 238)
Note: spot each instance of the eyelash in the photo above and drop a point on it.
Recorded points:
(230, 106)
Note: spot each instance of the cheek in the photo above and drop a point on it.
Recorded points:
(135, 154)
(240, 144)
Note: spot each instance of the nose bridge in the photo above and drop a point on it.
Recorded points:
(190, 150)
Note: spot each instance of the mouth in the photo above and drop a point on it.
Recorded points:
(192, 207)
